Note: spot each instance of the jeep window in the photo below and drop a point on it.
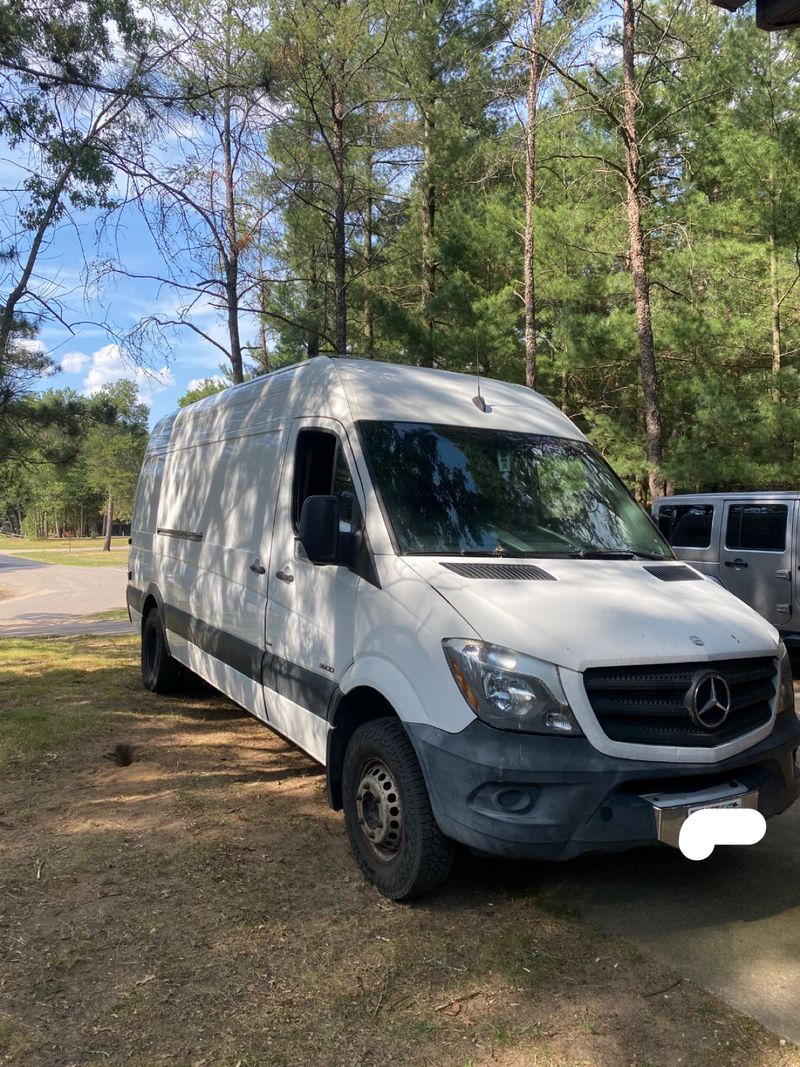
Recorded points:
(757, 527)
(686, 525)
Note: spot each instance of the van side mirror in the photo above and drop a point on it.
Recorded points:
(318, 532)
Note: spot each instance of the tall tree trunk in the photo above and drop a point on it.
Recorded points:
(534, 81)
(109, 520)
(428, 287)
(369, 322)
(775, 307)
(313, 306)
(339, 235)
(369, 325)
(263, 354)
(638, 256)
(231, 261)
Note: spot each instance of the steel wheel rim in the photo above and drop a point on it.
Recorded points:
(379, 809)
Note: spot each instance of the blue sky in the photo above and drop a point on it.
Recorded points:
(88, 354)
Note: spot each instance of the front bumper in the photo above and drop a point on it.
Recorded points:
(533, 797)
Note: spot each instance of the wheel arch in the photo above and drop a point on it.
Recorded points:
(352, 709)
(153, 599)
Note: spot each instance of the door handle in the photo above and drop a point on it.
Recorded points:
(737, 564)
(257, 567)
(284, 576)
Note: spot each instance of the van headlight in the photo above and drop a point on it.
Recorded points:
(786, 684)
(509, 690)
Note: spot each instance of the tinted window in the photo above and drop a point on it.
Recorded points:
(686, 525)
(758, 527)
(343, 488)
(455, 490)
(321, 470)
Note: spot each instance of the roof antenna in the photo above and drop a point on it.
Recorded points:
(478, 400)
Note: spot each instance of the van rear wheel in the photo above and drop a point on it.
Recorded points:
(392, 831)
(160, 672)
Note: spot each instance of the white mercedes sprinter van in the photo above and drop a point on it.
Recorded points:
(452, 602)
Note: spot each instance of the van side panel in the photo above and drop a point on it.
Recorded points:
(143, 526)
(213, 528)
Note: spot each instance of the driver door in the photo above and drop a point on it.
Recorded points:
(310, 608)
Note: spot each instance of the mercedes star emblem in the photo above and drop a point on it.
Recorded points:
(710, 701)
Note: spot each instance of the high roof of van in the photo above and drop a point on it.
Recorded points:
(366, 389)
(395, 392)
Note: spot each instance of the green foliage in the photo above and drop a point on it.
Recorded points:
(85, 450)
(207, 387)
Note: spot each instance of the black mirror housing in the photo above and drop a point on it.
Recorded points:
(318, 531)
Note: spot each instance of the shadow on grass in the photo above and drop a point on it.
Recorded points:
(213, 864)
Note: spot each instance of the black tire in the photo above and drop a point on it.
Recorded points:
(387, 813)
(160, 672)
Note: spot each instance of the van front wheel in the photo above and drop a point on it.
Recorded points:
(392, 831)
(160, 672)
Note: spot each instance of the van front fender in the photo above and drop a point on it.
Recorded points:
(382, 675)
(376, 672)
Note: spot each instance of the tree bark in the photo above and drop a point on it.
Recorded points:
(109, 520)
(313, 306)
(775, 308)
(339, 234)
(369, 325)
(638, 257)
(231, 263)
(428, 286)
(534, 81)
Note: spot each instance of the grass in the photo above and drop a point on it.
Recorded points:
(52, 692)
(199, 905)
(113, 615)
(72, 544)
(82, 558)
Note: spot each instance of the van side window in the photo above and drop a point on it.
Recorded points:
(321, 470)
(757, 527)
(686, 525)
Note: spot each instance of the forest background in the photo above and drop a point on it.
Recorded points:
(600, 200)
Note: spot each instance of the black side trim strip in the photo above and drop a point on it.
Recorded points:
(233, 651)
(186, 535)
(298, 684)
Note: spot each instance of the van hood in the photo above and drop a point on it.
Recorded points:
(600, 612)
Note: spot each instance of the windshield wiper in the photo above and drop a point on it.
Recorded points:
(602, 553)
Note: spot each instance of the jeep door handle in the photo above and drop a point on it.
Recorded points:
(257, 567)
(737, 564)
(284, 576)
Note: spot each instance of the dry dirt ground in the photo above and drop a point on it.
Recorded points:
(199, 907)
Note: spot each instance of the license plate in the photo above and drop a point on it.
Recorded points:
(672, 811)
(734, 802)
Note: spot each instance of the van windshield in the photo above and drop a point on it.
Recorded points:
(455, 490)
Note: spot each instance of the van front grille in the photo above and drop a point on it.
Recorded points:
(652, 705)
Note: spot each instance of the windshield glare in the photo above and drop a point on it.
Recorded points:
(454, 490)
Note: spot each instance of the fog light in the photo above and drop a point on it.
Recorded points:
(514, 800)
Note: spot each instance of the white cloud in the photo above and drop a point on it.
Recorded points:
(110, 365)
(196, 383)
(73, 362)
(29, 344)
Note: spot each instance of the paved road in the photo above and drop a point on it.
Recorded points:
(48, 598)
(731, 922)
